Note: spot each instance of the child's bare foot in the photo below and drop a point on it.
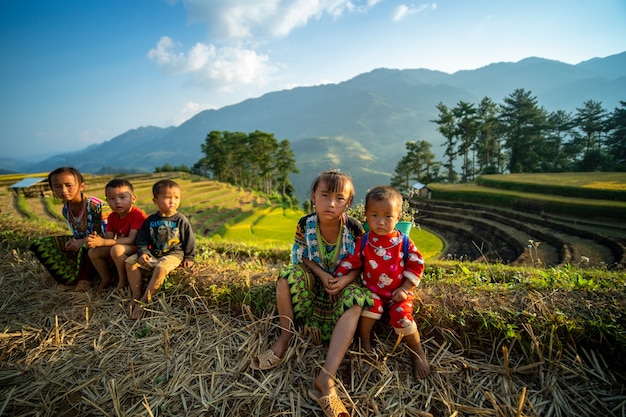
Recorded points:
(102, 287)
(66, 287)
(121, 292)
(324, 383)
(366, 345)
(122, 283)
(82, 285)
(421, 367)
(136, 310)
(371, 356)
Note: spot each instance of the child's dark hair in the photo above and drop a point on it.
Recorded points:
(161, 185)
(119, 183)
(335, 180)
(63, 170)
(382, 193)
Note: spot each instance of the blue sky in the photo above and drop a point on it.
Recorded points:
(80, 72)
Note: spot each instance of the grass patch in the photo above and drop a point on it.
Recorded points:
(429, 244)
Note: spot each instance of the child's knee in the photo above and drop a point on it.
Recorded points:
(116, 250)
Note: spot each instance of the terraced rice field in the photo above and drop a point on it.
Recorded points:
(476, 232)
(208, 204)
(471, 231)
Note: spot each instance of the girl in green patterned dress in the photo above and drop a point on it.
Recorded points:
(308, 294)
(65, 257)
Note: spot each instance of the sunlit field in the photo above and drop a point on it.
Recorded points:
(274, 228)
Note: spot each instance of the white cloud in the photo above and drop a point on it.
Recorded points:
(220, 69)
(403, 11)
(241, 19)
(239, 29)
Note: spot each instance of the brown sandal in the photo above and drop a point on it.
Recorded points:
(266, 360)
(331, 404)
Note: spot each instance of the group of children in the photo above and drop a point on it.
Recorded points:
(341, 280)
(127, 240)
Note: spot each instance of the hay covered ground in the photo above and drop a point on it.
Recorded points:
(516, 349)
(70, 354)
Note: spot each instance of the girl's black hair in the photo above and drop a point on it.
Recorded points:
(63, 170)
(335, 180)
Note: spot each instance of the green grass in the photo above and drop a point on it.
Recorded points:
(603, 180)
(274, 228)
(269, 228)
(24, 208)
(587, 185)
(585, 208)
(429, 244)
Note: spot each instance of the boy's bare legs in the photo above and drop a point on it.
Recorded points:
(134, 281)
(339, 344)
(99, 258)
(366, 324)
(421, 367)
(285, 311)
(158, 277)
(119, 253)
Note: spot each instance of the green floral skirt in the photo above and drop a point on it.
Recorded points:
(312, 306)
(66, 267)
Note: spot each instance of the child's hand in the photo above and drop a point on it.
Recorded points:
(399, 294)
(144, 259)
(327, 280)
(187, 263)
(338, 284)
(74, 245)
(330, 285)
(94, 241)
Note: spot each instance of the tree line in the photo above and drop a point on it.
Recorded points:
(516, 136)
(254, 160)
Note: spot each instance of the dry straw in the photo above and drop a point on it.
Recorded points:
(69, 354)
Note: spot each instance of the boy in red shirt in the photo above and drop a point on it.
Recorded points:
(121, 231)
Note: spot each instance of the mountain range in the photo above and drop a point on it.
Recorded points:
(360, 125)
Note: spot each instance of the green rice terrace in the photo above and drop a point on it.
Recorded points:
(521, 309)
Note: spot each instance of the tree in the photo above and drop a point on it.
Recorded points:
(554, 154)
(488, 141)
(263, 147)
(616, 138)
(523, 122)
(216, 155)
(466, 131)
(402, 175)
(254, 160)
(590, 121)
(417, 165)
(447, 129)
(285, 165)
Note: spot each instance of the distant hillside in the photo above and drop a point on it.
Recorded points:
(360, 125)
